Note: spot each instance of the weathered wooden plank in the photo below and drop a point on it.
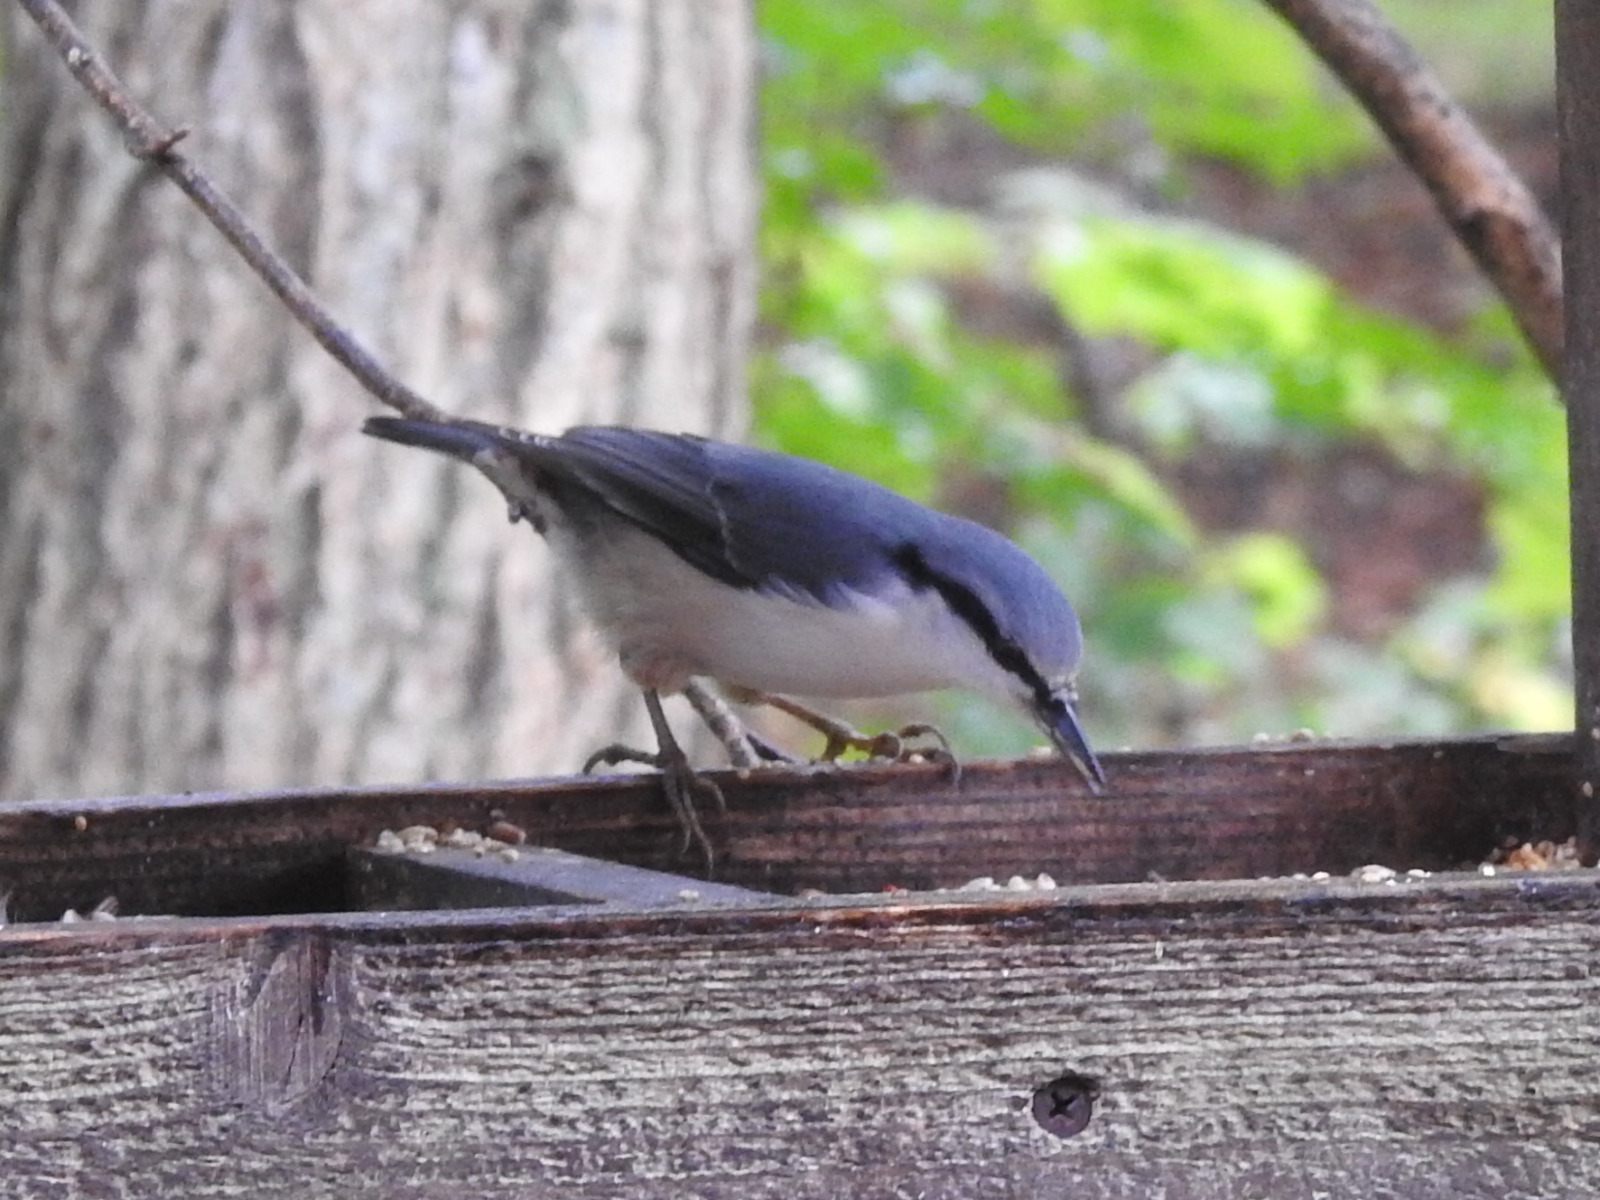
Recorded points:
(454, 878)
(1431, 1039)
(1226, 813)
(1578, 108)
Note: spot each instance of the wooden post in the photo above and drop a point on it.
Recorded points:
(1578, 103)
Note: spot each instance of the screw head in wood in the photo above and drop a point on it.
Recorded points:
(1064, 1105)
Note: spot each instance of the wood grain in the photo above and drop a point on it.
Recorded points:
(1428, 1039)
(1236, 812)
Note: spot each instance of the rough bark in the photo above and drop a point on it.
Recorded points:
(537, 213)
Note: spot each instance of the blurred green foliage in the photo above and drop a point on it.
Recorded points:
(866, 360)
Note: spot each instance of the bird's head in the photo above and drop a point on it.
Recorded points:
(1030, 638)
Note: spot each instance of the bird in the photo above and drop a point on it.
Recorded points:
(775, 576)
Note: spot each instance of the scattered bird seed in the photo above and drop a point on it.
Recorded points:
(416, 837)
(1373, 873)
(506, 831)
(1017, 883)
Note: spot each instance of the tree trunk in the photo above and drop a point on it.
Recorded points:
(537, 212)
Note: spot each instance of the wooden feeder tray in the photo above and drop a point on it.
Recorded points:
(280, 1009)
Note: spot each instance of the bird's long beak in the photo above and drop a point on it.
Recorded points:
(1060, 721)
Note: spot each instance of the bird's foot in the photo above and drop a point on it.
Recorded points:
(616, 753)
(891, 745)
(680, 782)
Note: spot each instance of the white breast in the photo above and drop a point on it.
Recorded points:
(670, 622)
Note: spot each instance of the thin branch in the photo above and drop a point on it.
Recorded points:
(1491, 211)
(150, 141)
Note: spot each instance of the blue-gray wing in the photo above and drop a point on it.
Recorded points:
(750, 518)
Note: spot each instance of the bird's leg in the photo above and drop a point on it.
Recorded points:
(746, 749)
(679, 780)
(890, 744)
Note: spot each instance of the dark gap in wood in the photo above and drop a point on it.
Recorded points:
(449, 878)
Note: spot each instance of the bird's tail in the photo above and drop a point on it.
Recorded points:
(459, 438)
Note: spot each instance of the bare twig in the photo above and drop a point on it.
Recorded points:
(1491, 211)
(152, 142)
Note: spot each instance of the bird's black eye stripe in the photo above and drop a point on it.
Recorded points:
(966, 605)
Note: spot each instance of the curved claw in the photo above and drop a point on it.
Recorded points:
(892, 745)
(767, 752)
(942, 753)
(681, 784)
(679, 780)
(616, 753)
(903, 752)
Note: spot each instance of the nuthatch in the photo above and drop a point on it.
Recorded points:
(773, 574)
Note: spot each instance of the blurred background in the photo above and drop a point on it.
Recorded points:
(1134, 282)
(1141, 286)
